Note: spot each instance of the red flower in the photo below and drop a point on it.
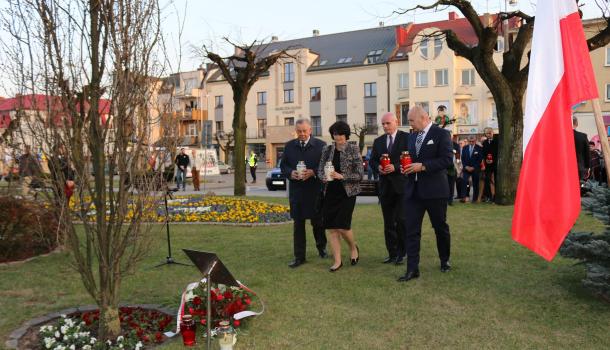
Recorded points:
(197, 301)
(228, 295)
(192, 311)
(219, 297)
(203, 321)
(158, 337)
(236, 323)
(145, 339)
(247, 301)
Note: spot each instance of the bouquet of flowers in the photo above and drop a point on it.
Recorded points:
(226, 302)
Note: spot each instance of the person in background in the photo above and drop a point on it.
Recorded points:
(340, 193)
(471, 160)
(195, 169)
(490, 156)
(253, 163)
(583, 157)
(596, 162)
(371, 172)
(182, 162)
(29, 170)
(304, 189)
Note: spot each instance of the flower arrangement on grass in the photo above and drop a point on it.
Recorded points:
(213, 209)
(226, 302)
(139, 327)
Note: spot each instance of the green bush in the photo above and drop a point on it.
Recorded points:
(593, 250)
(27, 229)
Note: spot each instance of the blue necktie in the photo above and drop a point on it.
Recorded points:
(418, 142)
(390, 144)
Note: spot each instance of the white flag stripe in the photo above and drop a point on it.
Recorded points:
(546, 63)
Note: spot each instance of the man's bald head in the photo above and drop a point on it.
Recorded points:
(389, 123)
(418, 118)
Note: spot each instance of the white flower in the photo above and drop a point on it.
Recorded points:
(139, 345)
(64, 329)
(63, 316)
(57, 335)
(119, 339)
(48, 342)
(72, 347)
(87, 347)
(92, 341)
(120, 346)
(109, 342)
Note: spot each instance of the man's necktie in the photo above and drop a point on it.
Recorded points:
(390, 144)
(302, 145)
(470, 150)
(419, 141)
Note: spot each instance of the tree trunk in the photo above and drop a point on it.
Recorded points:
(239, 151)
(110, 325)
(510, 153)
(361, 137)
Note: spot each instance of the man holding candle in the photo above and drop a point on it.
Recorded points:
(304, 188)
(391, 186)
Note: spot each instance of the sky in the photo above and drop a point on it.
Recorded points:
(206, 22)
(188, 24)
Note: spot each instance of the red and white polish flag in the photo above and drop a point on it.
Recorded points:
(560, 76)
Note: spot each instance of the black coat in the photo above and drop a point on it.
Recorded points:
(380, 146)
(436, 154)
(583, 157)
(490, 147)
(302, 194)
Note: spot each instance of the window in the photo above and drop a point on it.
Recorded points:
(191, 129)
(467, 76)
(262, 97)
(607, 92)
(323, 62)
(403, 81)
(220, 127)
(438, 46)
(288, 72)
(289, 121)
(608, 56)
(314, 94)
(370, 121)
(404, 112)
(421, 78)
(341, 92)
(342, 118)
(218, 101)
(374, 56)
(499, 45)
(288, 96)
(424, 105)
(370, 89)
(441, 77)
(344, 60)
(262, 128)
(316, 126)
(423, 48)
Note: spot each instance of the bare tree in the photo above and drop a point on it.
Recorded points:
(507, 84)
(94, 61)
(226, 143)
(241, 70)
(360, 131)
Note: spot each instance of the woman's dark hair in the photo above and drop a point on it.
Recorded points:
(340, 128)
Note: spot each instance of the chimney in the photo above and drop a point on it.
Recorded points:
(316, 32)
(274, 39)
(453, 16)
(381, 24)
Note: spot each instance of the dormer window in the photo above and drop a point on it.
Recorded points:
(344, 60)
(438, 46)
(374, 56)
(423, 47)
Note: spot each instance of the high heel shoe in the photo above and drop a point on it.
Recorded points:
(336, 268)
(355, 261)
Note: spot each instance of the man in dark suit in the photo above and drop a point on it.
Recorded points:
(391, 186)
(583, 157)
(452, 173)
(427, 189)
(471, 160)
(490, 157)
(304, 189)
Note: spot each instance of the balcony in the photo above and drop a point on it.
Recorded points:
(192, 114)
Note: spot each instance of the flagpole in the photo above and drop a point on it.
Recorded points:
(603, 135)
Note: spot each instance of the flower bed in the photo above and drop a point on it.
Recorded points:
(211, 209)
(140, 327)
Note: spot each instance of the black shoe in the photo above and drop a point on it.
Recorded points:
(323, 254)
(388, 260)
(409, 276)
(336, 268)
(399, 260)
(355, 261)
(445, 267)
(296, 263)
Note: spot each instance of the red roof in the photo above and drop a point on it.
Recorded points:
(406, 34)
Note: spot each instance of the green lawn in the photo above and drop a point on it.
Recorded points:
(499, 295)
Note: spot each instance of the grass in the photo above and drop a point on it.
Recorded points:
(499, 295)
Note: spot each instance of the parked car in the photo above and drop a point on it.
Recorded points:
(224, 168)
(275, 180)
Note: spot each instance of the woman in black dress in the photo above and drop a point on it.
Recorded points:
(341, 187)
